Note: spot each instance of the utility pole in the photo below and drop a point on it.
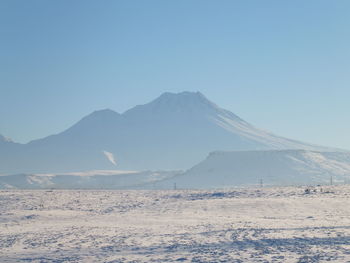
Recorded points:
(261, 183)
(174, 186)
(331, 180)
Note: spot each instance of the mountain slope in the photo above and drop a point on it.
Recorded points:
(272, 167)
(172, 132)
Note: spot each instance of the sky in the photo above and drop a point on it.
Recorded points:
(283, 66)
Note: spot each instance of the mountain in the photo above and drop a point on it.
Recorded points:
(172, 132)
(271, 167)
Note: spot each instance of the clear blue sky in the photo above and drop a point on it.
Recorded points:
(283, 66)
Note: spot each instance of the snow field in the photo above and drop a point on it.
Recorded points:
(280, 224)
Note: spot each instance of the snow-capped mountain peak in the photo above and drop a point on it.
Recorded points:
(176, 103)
(174, 131)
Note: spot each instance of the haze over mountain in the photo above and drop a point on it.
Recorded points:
(174, 131)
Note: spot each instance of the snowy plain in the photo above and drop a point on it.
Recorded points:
(272, 224)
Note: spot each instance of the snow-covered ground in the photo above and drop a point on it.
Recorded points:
(240, 225)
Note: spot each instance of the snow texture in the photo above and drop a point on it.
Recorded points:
(285, 224)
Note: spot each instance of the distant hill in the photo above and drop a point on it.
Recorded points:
(272, 167)
(218, 170)
(106, 179)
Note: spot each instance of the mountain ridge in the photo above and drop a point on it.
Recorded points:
(172, 132)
